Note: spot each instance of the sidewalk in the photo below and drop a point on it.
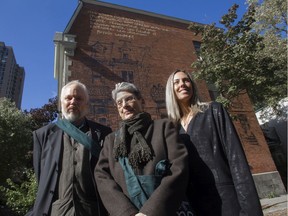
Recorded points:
(275, 206)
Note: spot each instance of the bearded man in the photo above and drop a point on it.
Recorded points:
(65, 154)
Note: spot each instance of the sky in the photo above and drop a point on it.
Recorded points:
(29, 27)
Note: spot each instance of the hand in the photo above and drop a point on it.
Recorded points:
(140, 214)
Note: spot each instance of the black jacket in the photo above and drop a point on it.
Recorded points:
(221, 183)
(46, 160)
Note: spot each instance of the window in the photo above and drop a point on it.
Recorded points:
(197, 47)
(102, 121)
(125, 56)
(100, 110)
(213, 92)
(127, 76)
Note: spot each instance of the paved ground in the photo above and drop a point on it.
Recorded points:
(275, 206)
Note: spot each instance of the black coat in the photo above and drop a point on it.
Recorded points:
(48, 144)
(221, 183)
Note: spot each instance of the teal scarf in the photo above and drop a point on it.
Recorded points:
(79, 136)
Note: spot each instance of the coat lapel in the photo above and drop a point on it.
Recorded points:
(56, 139)
(96, 133)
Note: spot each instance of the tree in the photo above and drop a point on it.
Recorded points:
(21, 196)
(232, 58)
(271, 23)
(19, 191)
(16, 134)
(44, 115)
(15, 143)
(15, 139)
(270, 17)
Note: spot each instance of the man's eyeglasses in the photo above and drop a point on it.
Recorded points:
(128, 99)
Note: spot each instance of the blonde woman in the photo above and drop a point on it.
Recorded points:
(220, 182)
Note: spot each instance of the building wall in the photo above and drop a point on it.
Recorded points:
(274, 128)
(251, 135)
(12, 76)
(115, 45)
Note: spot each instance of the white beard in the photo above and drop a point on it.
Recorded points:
(72, 117)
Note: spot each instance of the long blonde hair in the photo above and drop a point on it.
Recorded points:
(174, 111)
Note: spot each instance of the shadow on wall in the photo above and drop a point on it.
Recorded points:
(275, 132)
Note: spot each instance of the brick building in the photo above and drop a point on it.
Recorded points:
(104, 44)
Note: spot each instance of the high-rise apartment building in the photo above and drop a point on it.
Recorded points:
(12, 76)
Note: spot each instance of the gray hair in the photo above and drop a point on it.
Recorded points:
(173, 109)
(125, 86)
(75, 82)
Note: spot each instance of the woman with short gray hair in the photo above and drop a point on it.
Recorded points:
(142, 169)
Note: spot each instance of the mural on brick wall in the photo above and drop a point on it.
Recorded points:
(247, 133)
(127, 61)
(158, 96)
(123, 27)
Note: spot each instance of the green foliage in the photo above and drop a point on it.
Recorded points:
(271, 23)
(270, 16)
(15, 139)
(18, 187)
(20, 196)
(236, 60)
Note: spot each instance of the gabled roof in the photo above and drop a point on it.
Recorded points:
(123, 8)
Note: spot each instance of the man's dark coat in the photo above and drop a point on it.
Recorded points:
(48, 145)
